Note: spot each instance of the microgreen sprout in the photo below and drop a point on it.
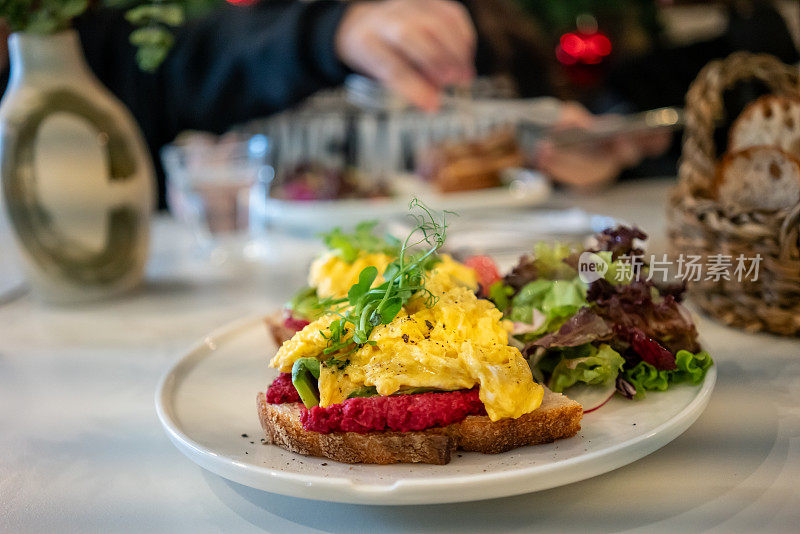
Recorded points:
(366, 307)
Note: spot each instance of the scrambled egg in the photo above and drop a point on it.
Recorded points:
(333, 276)
(458, 343)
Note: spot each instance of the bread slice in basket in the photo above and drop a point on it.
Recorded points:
(768, 121)
(558, 417)
(758, 178)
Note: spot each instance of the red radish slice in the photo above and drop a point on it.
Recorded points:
(591, 397)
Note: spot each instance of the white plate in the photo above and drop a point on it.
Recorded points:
(316, 215)
(208, 400)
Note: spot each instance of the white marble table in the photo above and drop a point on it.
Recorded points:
(81, 449)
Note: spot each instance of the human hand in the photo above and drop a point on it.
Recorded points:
(593, 165)
(414, 47)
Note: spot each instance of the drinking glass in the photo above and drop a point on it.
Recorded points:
(219, 188)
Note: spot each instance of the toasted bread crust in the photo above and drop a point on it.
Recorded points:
(557, 418)
(281, 422)
(279, 331)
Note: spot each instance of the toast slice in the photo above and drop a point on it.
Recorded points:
(558, 417)
(277, 329)
(758, 178)
(771, 121)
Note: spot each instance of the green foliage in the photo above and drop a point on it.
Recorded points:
(41, 16)
(153, 38)
(153, 43)
(549, 260)
(156, 13)
(153, 20)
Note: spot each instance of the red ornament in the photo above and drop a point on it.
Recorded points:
(582, 48)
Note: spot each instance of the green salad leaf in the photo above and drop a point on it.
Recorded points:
(600, 367)
(558, 300)
(500, 294)
(618, 272)
(549, 260)
(690, 368)
(362, 239)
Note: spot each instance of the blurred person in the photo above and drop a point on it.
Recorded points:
(522, 39)
(243, 62)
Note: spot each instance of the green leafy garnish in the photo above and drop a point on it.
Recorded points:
(362, 239)
(305, 373)
(306, 304)
(690, 368)
(367, 307)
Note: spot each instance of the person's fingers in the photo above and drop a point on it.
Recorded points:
(393, 70)
(424, 51)
(626, 149)
(574, 115)
(457, 19)
(576, 169)
(655, 143)
(415, 47)
(450, 26)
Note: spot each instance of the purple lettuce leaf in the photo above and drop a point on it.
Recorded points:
(584, 327)
(620, 241)
(524, 272)
(637, 305)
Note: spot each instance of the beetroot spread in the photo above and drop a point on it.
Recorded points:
(402, 413)
(282, 390)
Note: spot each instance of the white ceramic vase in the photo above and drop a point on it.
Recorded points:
(77, 180)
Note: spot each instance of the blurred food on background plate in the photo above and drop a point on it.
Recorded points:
(315, 181)
(471, 164)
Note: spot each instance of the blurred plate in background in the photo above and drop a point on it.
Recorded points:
(314, 216)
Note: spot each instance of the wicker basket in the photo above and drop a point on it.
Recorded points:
(698, 225)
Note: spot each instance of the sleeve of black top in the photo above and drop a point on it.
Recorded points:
(245, 62)
(235, 64)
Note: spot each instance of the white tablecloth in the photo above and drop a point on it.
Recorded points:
(81, 449)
